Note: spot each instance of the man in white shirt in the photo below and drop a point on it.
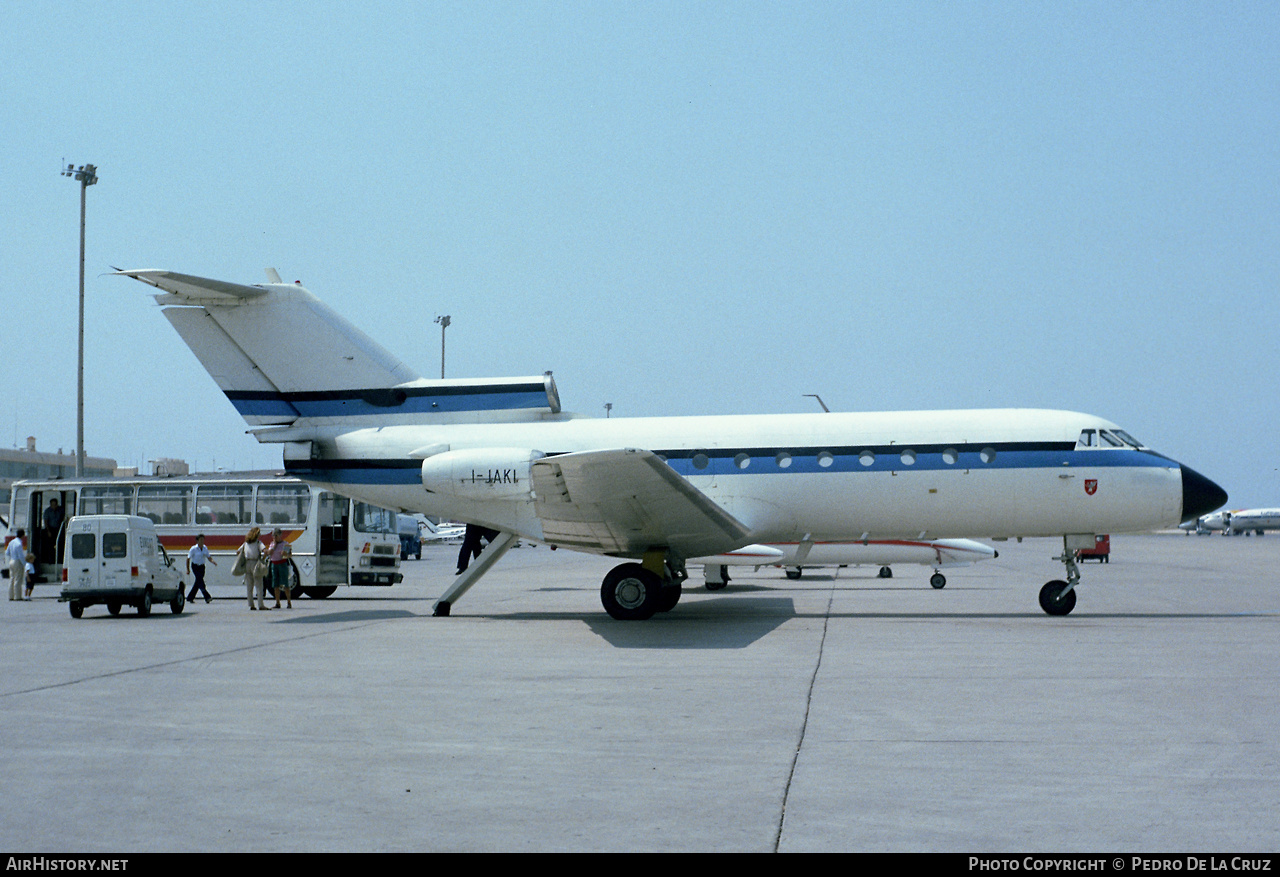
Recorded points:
(15, 554)
(197, 557)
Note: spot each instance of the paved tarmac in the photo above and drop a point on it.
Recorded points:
(833, 713)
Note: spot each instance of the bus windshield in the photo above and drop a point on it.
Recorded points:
(371, 519)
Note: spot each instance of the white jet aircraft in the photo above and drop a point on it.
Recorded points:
(657, 490)
(795, 557)
(441, 532)
(1250, 521)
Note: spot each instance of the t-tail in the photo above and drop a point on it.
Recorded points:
(285, 359)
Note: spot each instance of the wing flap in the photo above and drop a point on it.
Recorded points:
(624, 502)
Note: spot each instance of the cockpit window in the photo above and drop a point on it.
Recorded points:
(1106, 438)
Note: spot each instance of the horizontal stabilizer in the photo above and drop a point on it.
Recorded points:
(187, 287)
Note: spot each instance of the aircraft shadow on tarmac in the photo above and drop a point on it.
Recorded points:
(349, 616)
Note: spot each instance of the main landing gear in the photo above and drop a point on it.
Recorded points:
(1058, 597)
(638, 591)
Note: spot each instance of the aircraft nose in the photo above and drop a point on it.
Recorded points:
(1199, 495)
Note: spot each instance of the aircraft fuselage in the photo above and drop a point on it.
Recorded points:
(940, 474)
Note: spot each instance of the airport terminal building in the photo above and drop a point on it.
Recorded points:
(17, 464)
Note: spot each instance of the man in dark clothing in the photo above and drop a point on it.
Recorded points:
(471, 545)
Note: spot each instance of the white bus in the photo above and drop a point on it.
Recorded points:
(335, 540)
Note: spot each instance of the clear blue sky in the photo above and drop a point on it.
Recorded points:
(679, 208)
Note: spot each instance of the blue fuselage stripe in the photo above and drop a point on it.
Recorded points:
(412, 400)
(807, 461)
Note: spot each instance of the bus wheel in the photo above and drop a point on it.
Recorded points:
(317, 592)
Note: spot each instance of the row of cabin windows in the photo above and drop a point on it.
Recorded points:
(783, 460)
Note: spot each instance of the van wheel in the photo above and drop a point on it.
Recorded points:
(113, 608)
(179, 602)
(76, 607)
(144, 605)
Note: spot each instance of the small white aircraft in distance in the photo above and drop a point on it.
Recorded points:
(655, 491)
(795, 557)
(442, 532)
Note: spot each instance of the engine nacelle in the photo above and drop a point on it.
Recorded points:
(481, 473)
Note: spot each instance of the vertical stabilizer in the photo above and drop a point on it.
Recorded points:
(283, 357)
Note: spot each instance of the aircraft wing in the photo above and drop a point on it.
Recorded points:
(623, 502)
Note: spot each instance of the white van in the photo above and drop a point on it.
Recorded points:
(117, 560)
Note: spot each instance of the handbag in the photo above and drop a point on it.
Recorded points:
(238, 569)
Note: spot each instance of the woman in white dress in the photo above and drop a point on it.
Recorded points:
(253, 551)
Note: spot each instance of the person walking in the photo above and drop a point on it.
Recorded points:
(471, 545)
(281, 554)
(15, 554)
(253, 554)
(197, 557)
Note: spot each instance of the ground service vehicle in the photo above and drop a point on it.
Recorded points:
(335, 540)
(119, 561)
(410, 537)
(1101, 550)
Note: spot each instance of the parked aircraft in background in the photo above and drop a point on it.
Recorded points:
(1234, 523)
(657, 490)
(442, 532)
(1250, 521)
(794, 557)
(1203, 525)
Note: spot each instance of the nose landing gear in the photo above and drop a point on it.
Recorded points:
(1058, 597)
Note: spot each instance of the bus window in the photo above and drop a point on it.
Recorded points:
(106, 501)
(224, 503)
(282, 504)
(371, 519)
(165, 505)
